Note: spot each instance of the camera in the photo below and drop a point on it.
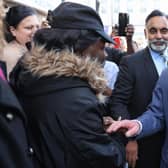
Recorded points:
(123, 20)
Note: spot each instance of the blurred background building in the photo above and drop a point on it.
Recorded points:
(108, 10)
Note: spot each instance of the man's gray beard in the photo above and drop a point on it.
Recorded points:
(156, 48)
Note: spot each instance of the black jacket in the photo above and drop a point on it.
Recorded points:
(65, 115)
(114, 55)
(15, 152)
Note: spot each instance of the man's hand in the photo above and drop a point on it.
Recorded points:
(132, 127)
(132, 153)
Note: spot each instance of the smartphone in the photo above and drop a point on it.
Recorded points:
(123, 20)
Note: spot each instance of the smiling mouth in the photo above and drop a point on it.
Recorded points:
(159, 43)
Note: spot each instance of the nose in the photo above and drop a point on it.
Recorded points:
(158, 35)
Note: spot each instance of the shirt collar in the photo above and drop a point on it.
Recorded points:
(155, 54)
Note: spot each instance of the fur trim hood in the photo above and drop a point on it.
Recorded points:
(42, 63)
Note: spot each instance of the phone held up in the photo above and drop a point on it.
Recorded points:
(123, 21)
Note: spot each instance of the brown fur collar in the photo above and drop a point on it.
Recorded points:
(42, 63)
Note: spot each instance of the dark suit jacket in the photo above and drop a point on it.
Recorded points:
(131, 95)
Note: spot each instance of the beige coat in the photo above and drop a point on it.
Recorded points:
(11, 54)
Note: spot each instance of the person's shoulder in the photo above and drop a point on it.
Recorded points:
(11, 45)
(137, 56)
(111, 50)
(110, 63)
(111, 66)
(12, 49)
(114, 55)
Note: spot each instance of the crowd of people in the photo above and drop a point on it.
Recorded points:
(65, 96)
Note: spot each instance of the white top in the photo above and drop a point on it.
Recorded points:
(111, 71)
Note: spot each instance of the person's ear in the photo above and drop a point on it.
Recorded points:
(12, 30)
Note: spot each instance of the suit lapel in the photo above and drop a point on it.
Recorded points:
(150, 69)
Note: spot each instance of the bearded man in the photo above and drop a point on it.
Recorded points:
(133, 89)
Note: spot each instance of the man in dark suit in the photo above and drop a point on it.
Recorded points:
(133, 89)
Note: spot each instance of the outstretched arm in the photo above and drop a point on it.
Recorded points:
(153, 119)
(129, 127)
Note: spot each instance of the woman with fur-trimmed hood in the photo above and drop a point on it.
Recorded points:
(60, 84)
